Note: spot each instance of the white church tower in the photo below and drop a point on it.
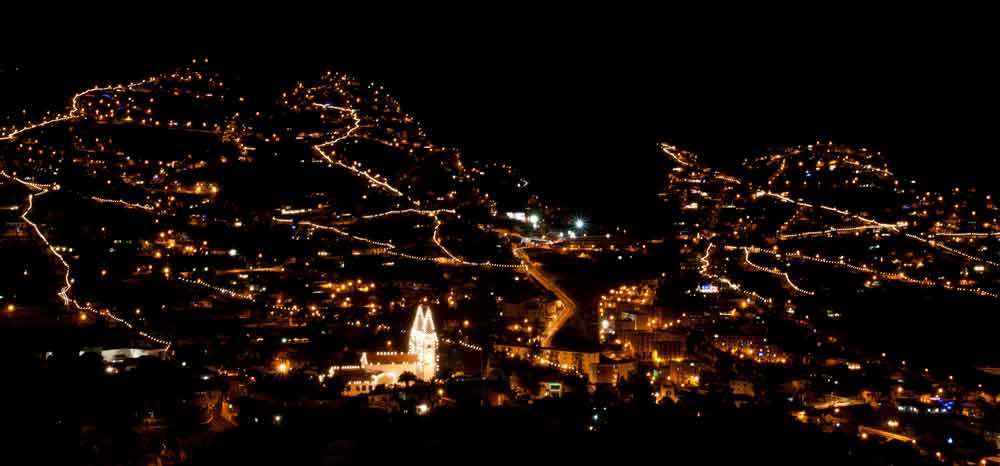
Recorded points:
(423, 343)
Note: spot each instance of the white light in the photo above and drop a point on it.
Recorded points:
(533, 218)
(422, 408)
(232, 252)
(578, 223)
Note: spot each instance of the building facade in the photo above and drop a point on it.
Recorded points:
(424, 343)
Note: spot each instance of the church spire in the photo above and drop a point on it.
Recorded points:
(423, 343)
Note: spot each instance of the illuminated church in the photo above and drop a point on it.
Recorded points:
(424, 343)
(385, 367)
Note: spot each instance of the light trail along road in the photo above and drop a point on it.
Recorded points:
(569, 306)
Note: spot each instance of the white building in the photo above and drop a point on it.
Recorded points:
(385, 367)
(424, 343)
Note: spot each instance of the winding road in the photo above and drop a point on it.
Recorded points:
(569, 307)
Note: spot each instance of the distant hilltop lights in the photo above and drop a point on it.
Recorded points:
(304, 227)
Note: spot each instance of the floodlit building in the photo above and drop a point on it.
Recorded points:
(385, 367)
(123, 354)
(424, 343)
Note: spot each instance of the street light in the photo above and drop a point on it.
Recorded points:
(579, 223)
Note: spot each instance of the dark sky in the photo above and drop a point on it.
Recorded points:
(581, 104)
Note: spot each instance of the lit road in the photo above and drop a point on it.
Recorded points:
(569, 306)
(75, 110)
(64, 294)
